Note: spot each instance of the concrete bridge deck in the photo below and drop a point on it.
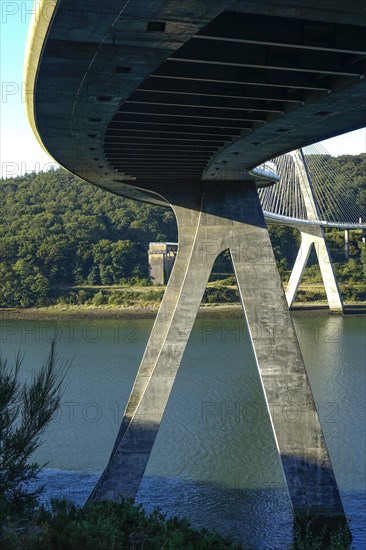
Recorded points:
(126, 93)
(174, 103)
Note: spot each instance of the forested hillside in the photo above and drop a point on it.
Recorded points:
(57, 231)
(349, 184)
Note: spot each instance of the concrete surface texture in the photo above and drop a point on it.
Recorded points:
(161, 260)
(212, 218)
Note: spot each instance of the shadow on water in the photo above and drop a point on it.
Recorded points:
(258, 518)
(255, 517)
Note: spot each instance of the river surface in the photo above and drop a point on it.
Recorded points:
(214, 460)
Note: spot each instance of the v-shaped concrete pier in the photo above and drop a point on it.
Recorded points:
(213, 217)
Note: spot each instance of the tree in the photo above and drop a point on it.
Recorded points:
(285, 241)
(363, 258)
(25, 412)
(22, 285)
(57, 230)
(114, 260)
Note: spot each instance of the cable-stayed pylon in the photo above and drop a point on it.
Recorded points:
(336, 200)
(303, 199)
(313, 192)
(312, 236)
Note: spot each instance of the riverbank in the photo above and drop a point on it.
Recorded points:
(206, 311)
(68, 313)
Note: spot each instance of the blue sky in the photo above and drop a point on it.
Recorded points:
(19, 149)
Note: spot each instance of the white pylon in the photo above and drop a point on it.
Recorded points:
(312, 236)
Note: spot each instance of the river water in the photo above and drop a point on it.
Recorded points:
(214, 460)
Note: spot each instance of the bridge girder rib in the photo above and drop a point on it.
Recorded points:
(228, 48)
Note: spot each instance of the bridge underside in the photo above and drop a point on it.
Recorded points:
(129, 93)
(174, 103)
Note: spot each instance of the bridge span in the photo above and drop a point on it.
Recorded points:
(175, 103)
(310, 189)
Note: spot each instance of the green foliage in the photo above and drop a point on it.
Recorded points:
(285, 241)
(100, 298)
(113, 261)
(57, 231)
(325, 539)
(25, 412)
(349, 166)
(133, 297)
(22, 285)
(106, 525)
(311, 296)
(109, 526)
(229, 281)
(363, 259)
(312, 274)
(222, 267)
(135, 281)
(220, 294)
(335, 240)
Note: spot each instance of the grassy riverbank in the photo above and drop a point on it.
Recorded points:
(59, 313)
(220, 300)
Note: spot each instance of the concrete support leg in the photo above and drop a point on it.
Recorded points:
(298, 268)
(315, 236)
(162, 356)
(217, 217)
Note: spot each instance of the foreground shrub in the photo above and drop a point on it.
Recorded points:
(108, 526)
(25, 412)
